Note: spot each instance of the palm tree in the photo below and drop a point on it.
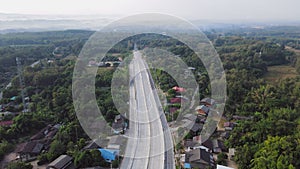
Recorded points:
(263, 97)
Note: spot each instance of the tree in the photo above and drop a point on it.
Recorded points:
(89, 158)
(56, 149)
(244, 155)
(5, 147)
(26, 123)
(263, 97)
(222, 157)
(275, 152)
(19, 165)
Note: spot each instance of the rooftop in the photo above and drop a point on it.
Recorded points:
(223, 167)
(32, 147)
(178, 89)
(200, 154)
(6, 123)
(61, 162)
(208, 101)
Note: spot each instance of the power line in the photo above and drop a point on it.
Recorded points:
(22, 84)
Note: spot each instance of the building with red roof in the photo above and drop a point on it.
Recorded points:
(178, 89)
(6, 123)
(175, 100)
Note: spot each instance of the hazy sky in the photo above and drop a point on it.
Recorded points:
(191, 9)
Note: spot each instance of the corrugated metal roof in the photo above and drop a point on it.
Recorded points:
(61, 161)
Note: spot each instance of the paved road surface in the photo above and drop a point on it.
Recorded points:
(149, 144)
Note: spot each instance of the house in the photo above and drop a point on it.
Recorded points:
(13, 98)
(216, 147)
(187, 165)
(197, 139)
(187, 124)
(41, 134)
(181, 157)
(190, 117)
(202, 120)
(223, 167)
(173, 109)
(202, 110)
(231, 153)
(208, 102)
(119, 125)
(219, 145)
(109, 155)
(50, 61)
(182, 97)
(207, 144)
(191, 68)
(47, 133)
(6, 123)
(178, 89)
(62, 162)
(225, 135)
(92, 145)
(50, 135)
(226, 124)
(175, 100)
(6, 113)
(115, 142)
(242, 117)
(229, 126)
(30, 150)
(97, 167)
(92, 63)
(199, 158)
(195, 128)
(37, 136)
(99, 64)
(189, 145)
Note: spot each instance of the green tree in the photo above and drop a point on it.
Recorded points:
(19, 165)
(275, 152)
(263, 97)
(5, 147)
(89, 158)
(57, 148)
(244, 155)
(222, 157)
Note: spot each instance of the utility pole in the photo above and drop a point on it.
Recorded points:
(22, 84)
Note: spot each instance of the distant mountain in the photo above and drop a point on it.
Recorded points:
(31, 23)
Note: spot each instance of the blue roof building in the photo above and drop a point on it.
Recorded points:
(108, 155)
(187, 165)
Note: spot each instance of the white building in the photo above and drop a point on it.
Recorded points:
(223, 167)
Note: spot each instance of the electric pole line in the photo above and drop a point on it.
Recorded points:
(22, 84)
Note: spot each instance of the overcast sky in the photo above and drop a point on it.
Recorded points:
(191, 9)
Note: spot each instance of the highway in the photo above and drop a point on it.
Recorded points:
(149, 142)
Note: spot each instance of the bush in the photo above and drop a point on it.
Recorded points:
(56, 149)
(19, 165)
(42, 159)
(5, 148)
(222, 158)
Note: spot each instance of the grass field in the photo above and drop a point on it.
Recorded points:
(276, 73)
